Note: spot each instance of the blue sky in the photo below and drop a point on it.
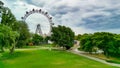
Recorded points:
(83, 16)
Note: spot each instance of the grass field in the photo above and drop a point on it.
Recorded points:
(47, 59)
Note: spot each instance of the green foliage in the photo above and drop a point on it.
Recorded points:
(22, 28)
(46, 39)
(7, 17)
(7, 37)
(86, 42)
(37, 39)
(4, 34)
(108, 42)
(78, 37)
(63, 36)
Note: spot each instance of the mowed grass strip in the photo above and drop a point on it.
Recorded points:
(48, 59)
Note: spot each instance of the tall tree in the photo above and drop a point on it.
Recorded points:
(22, 28)
(104, 41)
(7, 38)
(7, 17)
(63, 36)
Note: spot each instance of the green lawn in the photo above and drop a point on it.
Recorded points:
(47, 59)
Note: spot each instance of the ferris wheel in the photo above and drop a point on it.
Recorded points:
(38, 26)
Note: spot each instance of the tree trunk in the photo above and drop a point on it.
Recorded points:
(106, 53)
(12, 49)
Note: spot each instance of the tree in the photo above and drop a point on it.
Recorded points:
(7, 17)
(37, 39)
(1, 6)
(1, 3)
(4, 33)
(8, 38)
(77, 37)
(108, 42)
(63, 36)
(116, 52)
(104, 41)
(22, 28)
(86, 43)
(16, 27)
(13, 39)
(46, 39)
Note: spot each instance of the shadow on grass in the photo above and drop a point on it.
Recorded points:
(113, 61)
(7, 55)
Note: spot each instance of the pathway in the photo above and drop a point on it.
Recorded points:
(93, 58)
(49, 48)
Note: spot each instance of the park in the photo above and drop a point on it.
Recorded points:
(47, 45)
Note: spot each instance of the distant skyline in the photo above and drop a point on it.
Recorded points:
(83, 16)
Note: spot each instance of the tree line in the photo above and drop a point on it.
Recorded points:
(63, 36)
(109, 43)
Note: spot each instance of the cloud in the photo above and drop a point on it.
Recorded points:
(83, 16)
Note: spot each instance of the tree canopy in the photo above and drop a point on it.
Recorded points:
(108, 42)
(37, 39)
(23, 30)
(7, 37)
(15, 31)
(63, 36)
(7, 17)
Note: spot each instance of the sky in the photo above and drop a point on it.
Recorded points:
(82, 16)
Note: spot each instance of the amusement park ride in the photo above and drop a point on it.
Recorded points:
(38, 27)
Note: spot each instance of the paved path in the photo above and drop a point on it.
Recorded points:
(49, 48)
(93, 58)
